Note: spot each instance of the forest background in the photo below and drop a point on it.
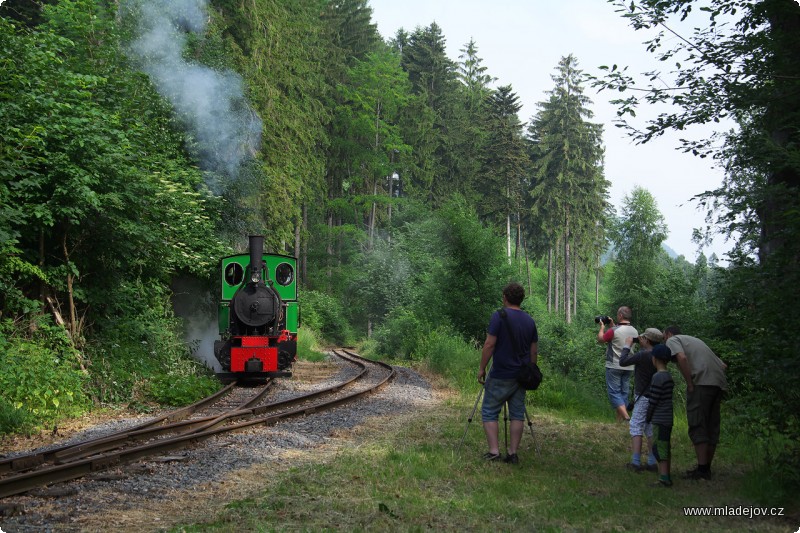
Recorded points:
(142, 140)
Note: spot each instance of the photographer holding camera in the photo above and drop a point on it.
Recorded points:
(617, 377)
(643, 374)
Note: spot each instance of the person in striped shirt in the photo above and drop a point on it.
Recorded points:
(659, 412)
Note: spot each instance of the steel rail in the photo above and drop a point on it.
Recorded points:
(26, 481)
(32, 460)
(116, 440)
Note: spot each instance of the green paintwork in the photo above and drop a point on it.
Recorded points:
(287, 293)
(224, 316)
(292, 316)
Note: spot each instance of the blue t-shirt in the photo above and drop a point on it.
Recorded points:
(505, 363)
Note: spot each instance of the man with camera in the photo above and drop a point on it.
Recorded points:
(617, 377)
(706, 383)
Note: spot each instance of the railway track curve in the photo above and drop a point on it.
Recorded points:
(185, 428)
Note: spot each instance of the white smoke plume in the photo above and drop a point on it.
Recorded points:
(193, 303)
(211, 103)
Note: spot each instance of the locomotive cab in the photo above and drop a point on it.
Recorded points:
(258, 315)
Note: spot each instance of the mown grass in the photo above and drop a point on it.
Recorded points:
(409, 474)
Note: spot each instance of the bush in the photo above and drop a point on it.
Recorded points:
(176, 390)
(14, 419)
(140, 340)
(449, 355)
(46, 383)
(308, 345)
(399, 336)
(573, 351)
(324, 313)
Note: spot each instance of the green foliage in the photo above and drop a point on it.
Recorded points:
(381, 282)
(14, 419)
(102, 202)
(504, 178)
(723, 74)
(309, 344)
(572, 350)
(280, 48)
(41, 379)
(447, 353)
(470, 273)
(325, 314)
(566, 396)
(400, 335)
(140, 339)
(637, 236)
(178, 390)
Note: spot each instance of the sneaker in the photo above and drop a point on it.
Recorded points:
(511, 459)
(651, 468)
(635, 468)
(663, 483)
(489, 456)
(696, 473)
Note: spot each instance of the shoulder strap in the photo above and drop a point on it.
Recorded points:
(514, 343)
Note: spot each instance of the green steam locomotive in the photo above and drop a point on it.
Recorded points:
(258, 315)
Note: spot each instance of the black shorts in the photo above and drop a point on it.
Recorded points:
(661, 442)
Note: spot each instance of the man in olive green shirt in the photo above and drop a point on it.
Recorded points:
(704, 374)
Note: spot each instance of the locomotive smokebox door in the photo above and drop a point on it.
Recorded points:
(255, 305)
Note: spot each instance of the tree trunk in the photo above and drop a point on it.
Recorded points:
(527, 267)
(304, 259)
(508, 237)
(72, 323)
(372, 216)
(297, 227)
(781, 125)
(567, 272)
(575, 289)
(329, 248)
(550, 279)
(389, 211)
(597, 282)
(43, 292)
(557, 279)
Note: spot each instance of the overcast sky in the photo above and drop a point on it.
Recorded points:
(521, 43)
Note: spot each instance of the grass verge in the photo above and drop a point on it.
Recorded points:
(408, 474)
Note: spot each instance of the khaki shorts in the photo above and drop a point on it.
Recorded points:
(702, 414)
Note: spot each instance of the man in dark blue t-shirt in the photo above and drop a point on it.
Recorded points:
(502, 385)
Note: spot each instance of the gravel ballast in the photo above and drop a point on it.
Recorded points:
(191, 484)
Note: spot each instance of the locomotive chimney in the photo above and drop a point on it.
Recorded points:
(256, 257)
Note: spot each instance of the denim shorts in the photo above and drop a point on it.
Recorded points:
(496, 392)
(618, 385)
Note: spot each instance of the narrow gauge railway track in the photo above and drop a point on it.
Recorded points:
(84, 458)
(28, 461)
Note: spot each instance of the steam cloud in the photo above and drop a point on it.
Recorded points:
(211, 103)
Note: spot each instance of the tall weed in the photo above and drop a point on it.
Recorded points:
(41, 382)
(309, 345)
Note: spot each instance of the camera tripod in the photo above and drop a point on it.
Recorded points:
(505, 424)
